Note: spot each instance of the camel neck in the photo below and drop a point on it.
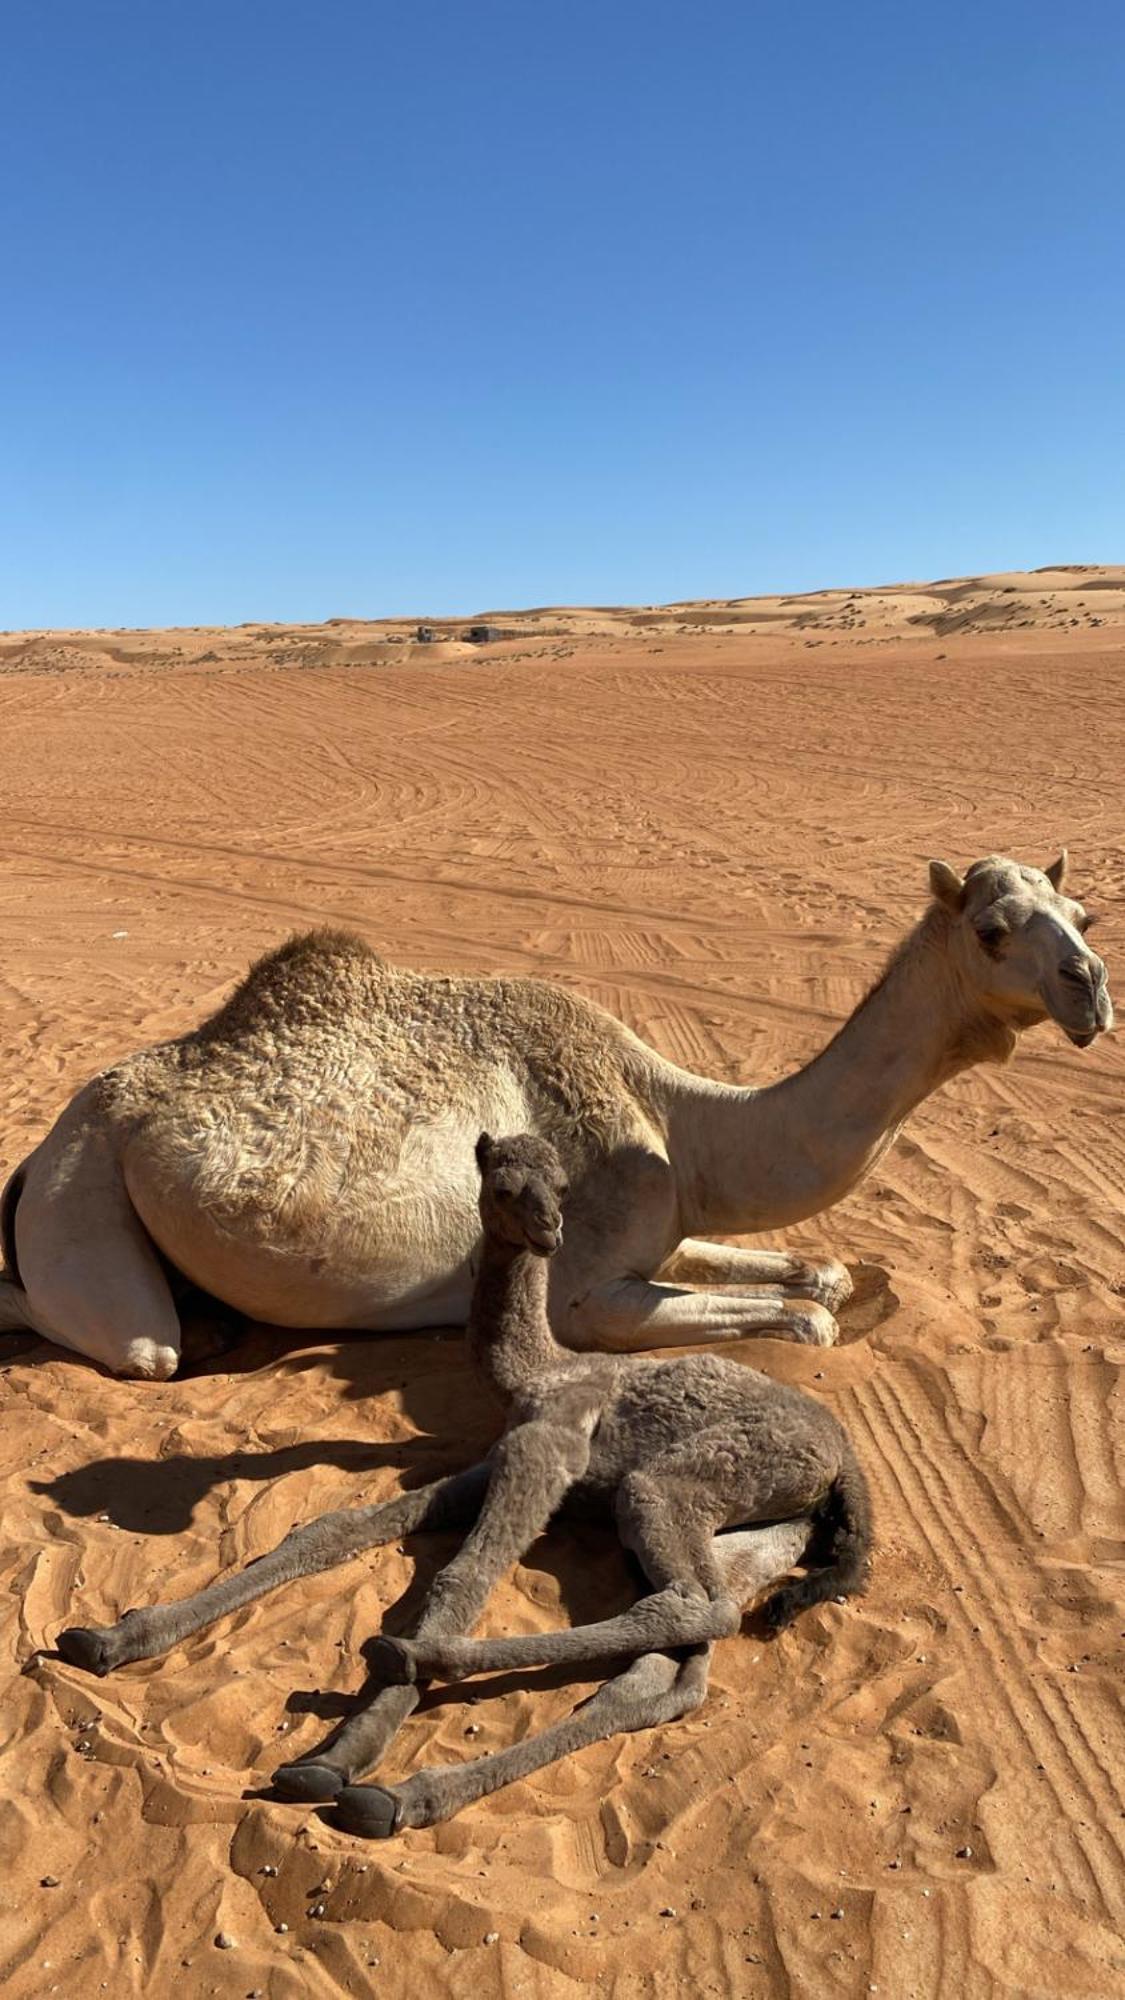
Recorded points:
(759, 1159)
(510, 1338)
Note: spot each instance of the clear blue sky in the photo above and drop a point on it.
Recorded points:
(314, 310)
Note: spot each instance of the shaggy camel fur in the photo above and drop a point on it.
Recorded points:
(682, 1451)
(306, 1156)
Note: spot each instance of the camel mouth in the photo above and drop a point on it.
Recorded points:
(544, 1242)
(1082, 1037)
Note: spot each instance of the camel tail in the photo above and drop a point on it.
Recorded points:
(840, 1546)
(9, 1202)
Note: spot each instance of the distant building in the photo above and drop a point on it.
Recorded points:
(482, 635)
(426, 635)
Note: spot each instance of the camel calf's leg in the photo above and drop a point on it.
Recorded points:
(320, 1544)
(748, 1562)
(655, 1689)
(532, 1469)
(752, 1559)
(671, 1617)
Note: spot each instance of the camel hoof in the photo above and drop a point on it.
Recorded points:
(147, 1361)
(390, 1661)
(368, 1810)
(813, 1326)
(835, 1286)
(84, 1646)
(308, 1783)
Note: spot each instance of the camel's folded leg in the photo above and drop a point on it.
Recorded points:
(654, 1689)
(319, 1544)
(628, 1315)
(697, 1262)
(91, 1275)
(748, 1562)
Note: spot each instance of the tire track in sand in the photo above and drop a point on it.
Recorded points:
(964, 1525)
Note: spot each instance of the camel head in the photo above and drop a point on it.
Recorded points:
(522, 1185)
(1018, 941)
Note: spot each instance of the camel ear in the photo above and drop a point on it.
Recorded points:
(1056, 873)
(484, 1151)
(947, 885)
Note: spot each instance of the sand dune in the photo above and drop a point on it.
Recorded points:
(714, 818)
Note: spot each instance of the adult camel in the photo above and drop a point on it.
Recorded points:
(306, 1155)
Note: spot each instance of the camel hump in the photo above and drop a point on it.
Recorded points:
(297, 980)
(300, 956)
(323, 943)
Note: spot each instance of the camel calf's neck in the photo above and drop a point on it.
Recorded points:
(509, 1334)
(510, 1339)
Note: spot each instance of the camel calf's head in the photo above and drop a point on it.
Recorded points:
(1019, 942)
(522, 1185)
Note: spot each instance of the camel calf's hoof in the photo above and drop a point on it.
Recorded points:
(84, 1646)
(308, 1783)
(390, 1661)
(368, 1810)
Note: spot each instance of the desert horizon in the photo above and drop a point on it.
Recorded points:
(1048, 598)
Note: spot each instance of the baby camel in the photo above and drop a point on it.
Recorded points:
(684, 1452)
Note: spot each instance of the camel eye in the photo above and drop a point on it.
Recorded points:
(1087, 921)
(991, 932)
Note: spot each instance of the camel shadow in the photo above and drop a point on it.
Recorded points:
(428, 1375)
(159, 1496)
(873, 1301)
(428, 1372)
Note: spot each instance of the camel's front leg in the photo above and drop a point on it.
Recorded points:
(628, 1315)
(697, 1262)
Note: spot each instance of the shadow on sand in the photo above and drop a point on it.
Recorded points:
(427, 1373)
